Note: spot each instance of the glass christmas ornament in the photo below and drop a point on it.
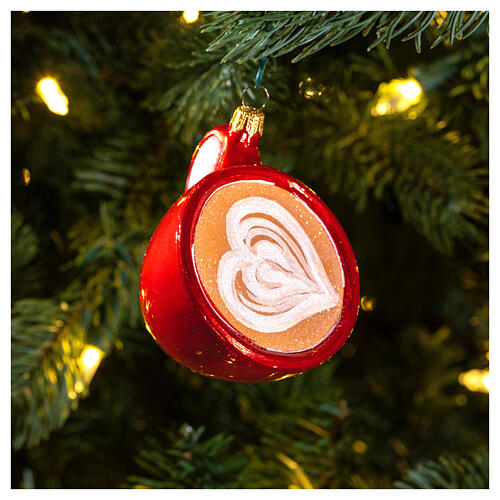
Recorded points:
(249, 276)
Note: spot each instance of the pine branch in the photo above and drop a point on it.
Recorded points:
(295, 431)
(442, 194)
(46, 345)
(194, 92)
(189, 461)
(109, 255)
(187, 97)
(114, 168)
(435, 174)
(244, 38)
(450, 472)
(421, 375)
(24, 242)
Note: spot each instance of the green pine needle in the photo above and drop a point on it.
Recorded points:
(243, 38)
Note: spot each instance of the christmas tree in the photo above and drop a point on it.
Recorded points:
(383, 114)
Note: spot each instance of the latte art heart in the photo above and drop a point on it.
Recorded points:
(272, 278)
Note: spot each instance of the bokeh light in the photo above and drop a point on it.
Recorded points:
(53, 96)
(397, 96)
(91, 357)
(475, 380)
(368, 303)
(26, 176)
(410, 89)
(359, 447)
(190, 16)
(311, 89)
(89, 360)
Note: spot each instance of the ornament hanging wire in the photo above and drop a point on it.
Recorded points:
(258, 77)
(262, 65)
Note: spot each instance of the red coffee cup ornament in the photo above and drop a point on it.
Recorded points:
(249, 276)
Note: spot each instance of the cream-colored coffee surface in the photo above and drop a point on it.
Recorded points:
(211, 245)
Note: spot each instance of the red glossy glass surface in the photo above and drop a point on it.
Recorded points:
(233, 148)
(186, 324)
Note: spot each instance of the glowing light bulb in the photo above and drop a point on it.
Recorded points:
(190, 16)
(55, 99)
(91, 357)
(397, 96)
(486, 381)
(410, 89)
(475, 380)
(89, 360)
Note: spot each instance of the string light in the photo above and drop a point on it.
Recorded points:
(89, 360)
(190, 16)
(397, 96)
(475, 380)
(53, 96)
(410, 89)
(91, 357)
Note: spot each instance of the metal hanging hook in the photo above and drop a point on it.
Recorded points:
(255, 87)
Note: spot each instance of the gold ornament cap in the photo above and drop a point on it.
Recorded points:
(249, 119)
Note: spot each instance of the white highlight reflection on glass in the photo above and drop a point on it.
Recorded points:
(205, 160)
